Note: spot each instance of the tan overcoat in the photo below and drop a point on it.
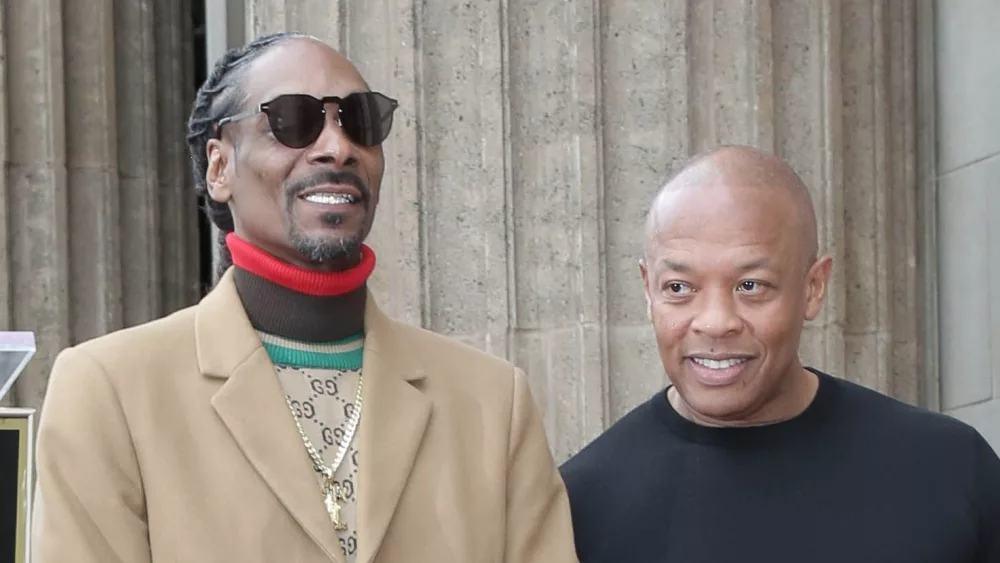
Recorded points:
(172, 442)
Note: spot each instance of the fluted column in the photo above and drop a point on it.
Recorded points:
(532, 137)
(100, 217)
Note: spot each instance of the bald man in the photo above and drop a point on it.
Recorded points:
(747, 455)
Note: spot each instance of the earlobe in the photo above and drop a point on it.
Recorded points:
(215, 173)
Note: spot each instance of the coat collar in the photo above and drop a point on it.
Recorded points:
(225, 339)
(251, 404)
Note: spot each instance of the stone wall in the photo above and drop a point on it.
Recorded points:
(531, 136)
(533, 133)
(99, 215)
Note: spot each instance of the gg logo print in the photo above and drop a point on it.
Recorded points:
(303, 409)
(333, 436)
(349, 545)
(347, 487)
(327, 386)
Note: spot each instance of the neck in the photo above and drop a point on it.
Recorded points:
(791, 400)
(297, 303)
(302, 280)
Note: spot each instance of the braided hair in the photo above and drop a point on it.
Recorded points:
(218, 97)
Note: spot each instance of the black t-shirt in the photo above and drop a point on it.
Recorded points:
(858, 477)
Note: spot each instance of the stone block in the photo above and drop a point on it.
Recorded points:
(967, 110)
(968, 280)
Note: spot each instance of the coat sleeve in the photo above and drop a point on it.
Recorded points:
(89, 505)
(539, 529)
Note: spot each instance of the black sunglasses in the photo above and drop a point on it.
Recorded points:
(298, 119)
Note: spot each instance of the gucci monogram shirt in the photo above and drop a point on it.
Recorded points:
(320, 382)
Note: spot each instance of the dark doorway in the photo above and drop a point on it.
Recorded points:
(200, 70)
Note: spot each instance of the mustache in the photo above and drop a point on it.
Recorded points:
(326, 177)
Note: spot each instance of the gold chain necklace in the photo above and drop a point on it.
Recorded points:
(333, 494)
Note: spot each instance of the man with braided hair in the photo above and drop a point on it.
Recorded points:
(285, 417)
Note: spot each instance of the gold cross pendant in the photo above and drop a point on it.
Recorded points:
(332, 496)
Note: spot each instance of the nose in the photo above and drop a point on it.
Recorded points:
(333, 146)
(717, 317)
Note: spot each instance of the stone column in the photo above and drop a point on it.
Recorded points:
(100, 223)
(532, 135)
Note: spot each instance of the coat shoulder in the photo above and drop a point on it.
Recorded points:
(145, 356)
(154, 340)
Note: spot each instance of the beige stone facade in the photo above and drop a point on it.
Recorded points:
(100, 225)
(531, 136)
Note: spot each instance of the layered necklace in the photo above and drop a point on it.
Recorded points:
(316, 284)
(333, 493)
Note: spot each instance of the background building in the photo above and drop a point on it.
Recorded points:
(530, 138)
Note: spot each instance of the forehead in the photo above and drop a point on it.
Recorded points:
(721, 224)
(301, 66)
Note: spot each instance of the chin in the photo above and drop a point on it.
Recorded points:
(327, 225)
(719, 403)
(328, 249)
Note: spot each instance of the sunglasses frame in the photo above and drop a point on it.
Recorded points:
(264, 107)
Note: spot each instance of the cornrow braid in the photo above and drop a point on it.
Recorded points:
(218, 97)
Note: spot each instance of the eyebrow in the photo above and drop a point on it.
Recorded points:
(758, 264)
(679, 267)
(682, 268)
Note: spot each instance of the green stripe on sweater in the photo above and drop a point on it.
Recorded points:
(346, 354)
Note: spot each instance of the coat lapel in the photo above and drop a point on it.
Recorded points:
(393, 420)
(251, 404)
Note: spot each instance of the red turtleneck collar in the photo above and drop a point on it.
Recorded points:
(309, 282)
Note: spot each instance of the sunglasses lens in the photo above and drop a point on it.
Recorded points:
(367, 117)
(296, 120)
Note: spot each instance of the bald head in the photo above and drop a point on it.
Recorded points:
(738, 181)
(731, 272)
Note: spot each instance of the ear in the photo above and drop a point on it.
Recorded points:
(645, 288)
(217, 174)
(817, 280)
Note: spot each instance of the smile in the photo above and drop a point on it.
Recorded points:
(718, 371)
(331, 198)
(718, 364)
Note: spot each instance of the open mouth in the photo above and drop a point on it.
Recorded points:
(332, 194)
(328, 198)
(718, 364)
(718, 371)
